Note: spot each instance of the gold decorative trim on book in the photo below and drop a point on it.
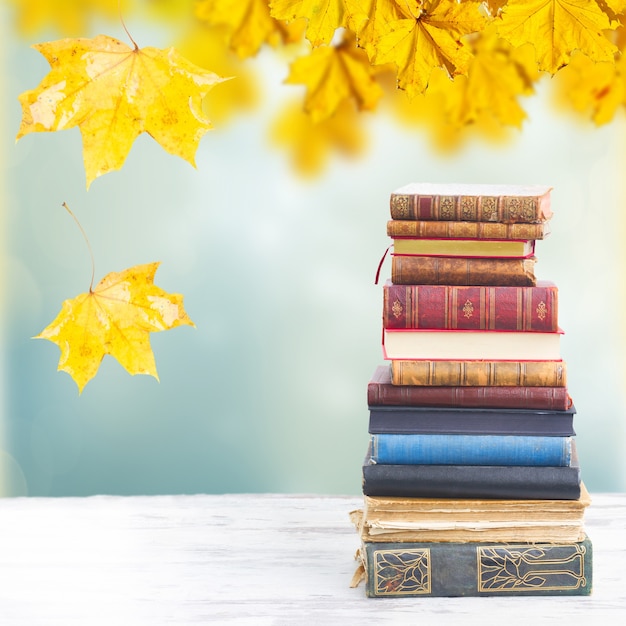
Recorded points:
(402, 572)
(525, 568)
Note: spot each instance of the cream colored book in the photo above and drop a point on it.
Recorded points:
(455, 345)
(385, 519)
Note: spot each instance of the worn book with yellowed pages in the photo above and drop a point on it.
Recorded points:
(448, 519)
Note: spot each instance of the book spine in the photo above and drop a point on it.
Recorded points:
(469, 421)
(455, 307)
(479, 373)
(453, 449)
(466, 230)
(507, 482)
(549, 398)
(503, 209)
(410, 270)
(416, 569)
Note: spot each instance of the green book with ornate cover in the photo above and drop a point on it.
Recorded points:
(476, 569)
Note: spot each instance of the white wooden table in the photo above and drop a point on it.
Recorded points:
(244, 560)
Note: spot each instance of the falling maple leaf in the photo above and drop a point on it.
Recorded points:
(333, 74)
(249, 23)
(556, 28)
(113, 93)
(416, 36)
(116, 318)
(324, 17)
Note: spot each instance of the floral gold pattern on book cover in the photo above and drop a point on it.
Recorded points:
(500, 568)
(526, 568)
(402, 572)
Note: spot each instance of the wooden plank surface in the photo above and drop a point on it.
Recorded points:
(243, 560)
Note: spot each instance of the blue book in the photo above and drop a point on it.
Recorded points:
(445, 449)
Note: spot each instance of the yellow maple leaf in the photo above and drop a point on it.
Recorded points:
(556, 28)
(445, 113)
(311, 144)
(204, 45)
(116, 318)
(324, 16)
(113, 93)
(417, 36)
(249, 23)
(595, 90)
(68, 17)
(333, 74)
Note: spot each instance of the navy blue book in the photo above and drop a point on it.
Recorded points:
(471, 421)
(445, 449)
(514, 482)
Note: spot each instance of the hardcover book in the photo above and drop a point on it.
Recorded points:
(455, 449)
(440, 519)
(479, 373)
(471, 203)
(381, 393)
(458, 345)
(514, 482)
(409, 269)
(467, 230)
(500, 248)
(421, 569)
(461, 307)
(470, 421)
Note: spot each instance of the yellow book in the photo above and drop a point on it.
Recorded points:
(464, 247)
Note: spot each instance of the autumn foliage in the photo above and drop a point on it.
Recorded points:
(450, 67)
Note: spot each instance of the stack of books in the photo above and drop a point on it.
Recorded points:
(471, 480)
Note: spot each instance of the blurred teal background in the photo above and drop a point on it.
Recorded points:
(267, 394)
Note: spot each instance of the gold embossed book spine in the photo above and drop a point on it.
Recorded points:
(474, 369)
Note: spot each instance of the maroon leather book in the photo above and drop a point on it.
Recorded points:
(380, 391)
(459, 307)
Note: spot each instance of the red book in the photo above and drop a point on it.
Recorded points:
(459, 307)
(380, 391)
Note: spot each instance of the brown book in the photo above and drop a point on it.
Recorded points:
(507, 204)
(465, 307)
(466, 230)
(381, 392)
(429, 270)
(479, 373)
(385, 519)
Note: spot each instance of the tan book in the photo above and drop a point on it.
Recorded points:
(387, 519)
(409, 269)
(466, 230)
(479, 373)
(470, 202)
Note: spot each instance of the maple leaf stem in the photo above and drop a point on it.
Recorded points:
(82, 230)
(119, 10)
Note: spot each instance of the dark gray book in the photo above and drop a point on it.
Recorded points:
(477, 569)
(470, 421)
